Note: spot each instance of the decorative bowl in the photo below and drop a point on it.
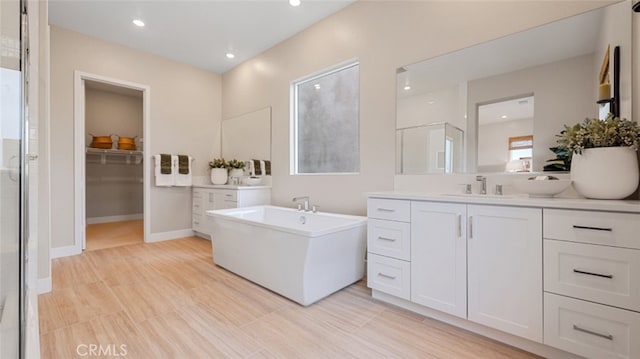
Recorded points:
(252, 181)
(542, 188)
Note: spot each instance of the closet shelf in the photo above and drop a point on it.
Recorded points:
(103, 153)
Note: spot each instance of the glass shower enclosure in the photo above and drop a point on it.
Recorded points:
(12, 180)
(430, 149)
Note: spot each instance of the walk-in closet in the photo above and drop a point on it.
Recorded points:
(114, 170)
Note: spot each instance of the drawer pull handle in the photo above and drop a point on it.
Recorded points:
(593, 228)
(386, 275)
(228, 195)
(387, 239)
(593, 274)
(386, 209)
(605, 336)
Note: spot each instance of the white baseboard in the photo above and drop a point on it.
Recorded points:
(57, 252)
(44, 285)
(120, 218)
(165, 236)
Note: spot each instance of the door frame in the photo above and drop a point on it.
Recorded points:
(79, 151)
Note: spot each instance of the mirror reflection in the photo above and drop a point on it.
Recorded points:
(505, 134)
(254, 128)
(508, 97)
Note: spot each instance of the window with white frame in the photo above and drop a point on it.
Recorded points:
(325, 128)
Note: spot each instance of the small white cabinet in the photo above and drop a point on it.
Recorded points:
(505, 269)
(212, 197)
(439, 256)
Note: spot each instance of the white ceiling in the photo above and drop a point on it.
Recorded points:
(198, 33)
(504, 111)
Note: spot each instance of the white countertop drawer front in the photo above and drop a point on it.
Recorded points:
(226, 195)
(390, 209)
(389, 238)
(389, 275)
(591, 330)
(601, 274)
(606, 228)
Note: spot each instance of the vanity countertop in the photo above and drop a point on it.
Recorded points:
(232, 187)
(519, 200)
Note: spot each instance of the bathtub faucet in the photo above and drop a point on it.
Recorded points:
(300, 205)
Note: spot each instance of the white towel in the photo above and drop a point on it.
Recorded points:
(249, 168)
(164, 180)
(263, 167)
(182, 180)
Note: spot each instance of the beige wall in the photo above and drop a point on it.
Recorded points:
(185, 118)
(109, 113)
(383, 36)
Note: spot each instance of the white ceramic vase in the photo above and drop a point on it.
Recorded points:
(219, 175)
(605, 172)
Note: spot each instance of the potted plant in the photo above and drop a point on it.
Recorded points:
(604, 163)
(236, 168)
(218, 171)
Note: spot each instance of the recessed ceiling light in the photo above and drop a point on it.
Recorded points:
(407, 88)
(294, 2)
(230, 55)
(317, 86)
(503, 116)
(138, 22)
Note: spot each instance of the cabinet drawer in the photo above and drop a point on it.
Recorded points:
(607, 228)
(224, 195)
(589, 329)
(389, 238)
(601, 274)
(390, 209)
(389, 275)
(197, 193)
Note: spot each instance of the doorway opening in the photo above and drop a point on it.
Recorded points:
(111, 143)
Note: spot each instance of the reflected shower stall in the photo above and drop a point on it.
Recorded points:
(430, 149)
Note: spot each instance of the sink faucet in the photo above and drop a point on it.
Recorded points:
(483, 188)
(306, 203)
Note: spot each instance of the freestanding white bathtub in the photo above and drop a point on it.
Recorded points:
(303, 256)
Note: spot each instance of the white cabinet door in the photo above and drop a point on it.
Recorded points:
(224, 199)
(505, 269)
(439, 256)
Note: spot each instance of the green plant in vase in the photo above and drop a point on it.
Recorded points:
(604, 163)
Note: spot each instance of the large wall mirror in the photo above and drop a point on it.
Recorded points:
(497, 106)
(247, 137)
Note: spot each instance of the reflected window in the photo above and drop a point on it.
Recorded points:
(521, 149)
(326, 122)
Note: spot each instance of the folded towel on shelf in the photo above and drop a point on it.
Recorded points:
(248, 166)
(267, 168)
(257, 168)
(165, 164)
(163, 180)
(183, 179)
(183, 165)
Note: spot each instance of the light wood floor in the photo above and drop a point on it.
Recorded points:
(113, 234)
(168, 300)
